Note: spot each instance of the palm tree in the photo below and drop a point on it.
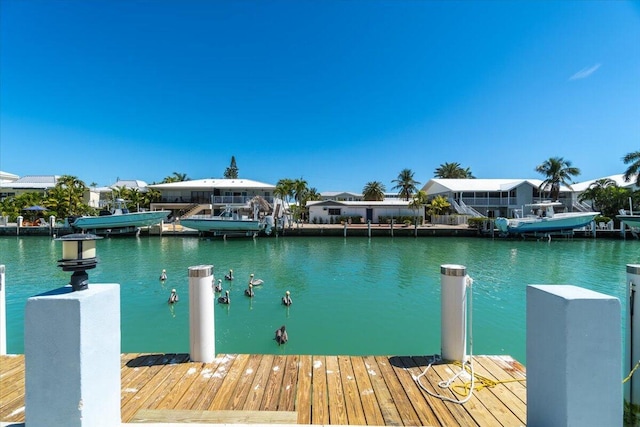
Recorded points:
(406, 184)
(558, 172)
(176, 177)
(438, 205)
(419, 201)
(232, 171)
(299, 187)
(595, 192)
(634, 167)
(73, 190)
(452, 171)
(374, 190)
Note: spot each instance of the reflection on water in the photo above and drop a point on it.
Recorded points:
(352, 296)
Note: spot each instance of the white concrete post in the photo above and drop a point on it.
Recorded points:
(345, 229)
(369, 228)
(632, 357)
(202, 339)
(72, 357)
(453, 280)
(574, 357)
(3, 312)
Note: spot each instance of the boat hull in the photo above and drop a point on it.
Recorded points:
(134, 219)
(559, 222)
(215, 225)
(632, 221)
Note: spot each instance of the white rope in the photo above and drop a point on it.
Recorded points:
(447, 383)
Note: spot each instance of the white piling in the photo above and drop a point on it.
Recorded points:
(369, 228)
(201, 320)
(3, 312)
(632, 386)
(72, 357)
(345, 229)
(574, 357)
(453, 281)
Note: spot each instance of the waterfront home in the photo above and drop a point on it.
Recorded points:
(328, 211)
(186, 198)
(27, 184)
(341, 196)
(492, 197)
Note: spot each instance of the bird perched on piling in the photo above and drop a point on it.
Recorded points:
(281, 335)
(286, 299)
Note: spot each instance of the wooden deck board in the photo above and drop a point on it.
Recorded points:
(298, 389)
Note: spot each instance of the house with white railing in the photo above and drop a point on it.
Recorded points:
(492, 197)
(203, 196)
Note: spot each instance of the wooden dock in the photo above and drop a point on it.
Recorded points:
(301, 389)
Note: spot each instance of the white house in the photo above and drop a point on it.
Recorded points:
(325, 211)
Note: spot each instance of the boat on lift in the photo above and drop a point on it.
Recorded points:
(118, 220)
(246, 220)
(544, 219)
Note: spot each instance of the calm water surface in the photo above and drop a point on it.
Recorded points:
(351, 296)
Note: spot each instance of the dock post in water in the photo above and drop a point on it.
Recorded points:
(453, 300)
(574, 357)
(202, 344)
(72, 357)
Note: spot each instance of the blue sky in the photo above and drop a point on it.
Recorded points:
(338, 93)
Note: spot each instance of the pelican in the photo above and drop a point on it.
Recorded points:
(173, 298)
(225, 299)
(255, 282)
(281, 335)
(218, 287)
(286, 300)
(163, 275)
(229, 275)
(249, 291)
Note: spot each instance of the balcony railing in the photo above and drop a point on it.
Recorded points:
(216, 200)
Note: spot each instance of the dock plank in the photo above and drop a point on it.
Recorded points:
(355, 411)
(200, 391)
(303, 393)
(389, 411)
(259, 384)
(230, 372)
(273, 388)
(370, 406)
(299, 389)
(319, 398)
(287, 399)
(337, 409)
(408, 415)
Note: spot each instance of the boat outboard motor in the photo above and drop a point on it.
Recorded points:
(268, 224)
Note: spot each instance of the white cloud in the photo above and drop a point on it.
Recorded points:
(585, 72)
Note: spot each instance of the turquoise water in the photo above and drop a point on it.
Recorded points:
(351, 296)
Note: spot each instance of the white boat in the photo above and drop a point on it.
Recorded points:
(230, 221)
(118, 219)
(544, 219)
(631, 221)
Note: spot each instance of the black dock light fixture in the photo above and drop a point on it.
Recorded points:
(78, 255)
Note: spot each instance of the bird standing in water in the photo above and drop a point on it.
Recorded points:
(218, 286)
(281, 335)
(229, 275)
(286, 299)
(163, 275)
(225, 299)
